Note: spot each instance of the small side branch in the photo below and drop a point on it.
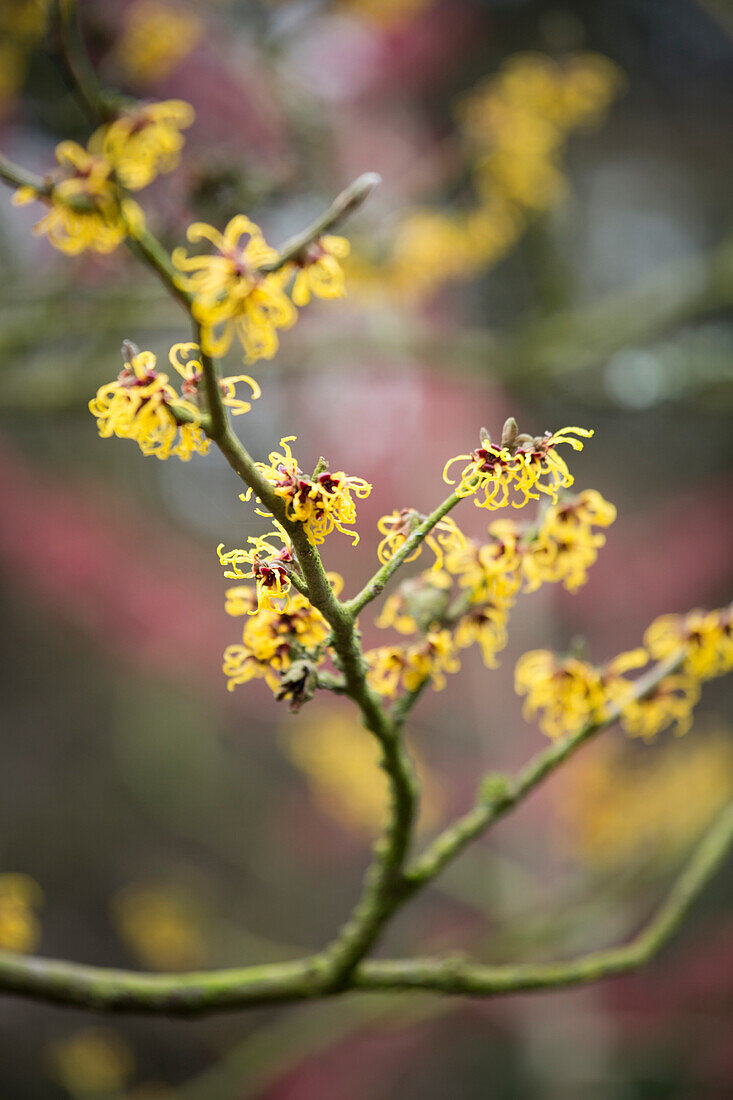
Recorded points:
(375, 586)
(472, 979)
(344, 204)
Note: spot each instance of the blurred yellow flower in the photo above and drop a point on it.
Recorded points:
(94, 1062)
(340, 760)
(21, 19)
(156, 38)
(565, 544)
(426, 661)
(619, 805)
(144, 142)
(161, 927)
(706, 637)
(20, 929)
(86, 210)
(514, 126)
(318, 270)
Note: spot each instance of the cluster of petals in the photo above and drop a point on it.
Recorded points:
(322, 503)
(501, 474)
(565, 544)
(705, 638)
(144, 142)
(269, 565)
(568, 693)
(242, 290)
(429, 660)
(273, 636)
(139, 405)
(317, 270)
(142, 405)
(86, 210)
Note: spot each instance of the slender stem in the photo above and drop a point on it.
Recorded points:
(505, 796)
(81, 72)
(16, 176)
(146, 246)
(349, 200)
(105, 990)
(375, 586)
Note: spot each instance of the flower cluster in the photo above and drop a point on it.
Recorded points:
(321, 502)
(569, 693)
(274, 638)
(85, 207)
(144, 142)
(88, 208)
(516, 470)
(241, 290)
(558, 547)
(156, 38)
(705, 637)
(142, 404)
(565, 544)
(515, 127)
(427, 661)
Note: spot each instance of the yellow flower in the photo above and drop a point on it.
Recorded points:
(144, 142)
(489, 572)
(385, 666)
(565, 545)
(94, 1062)
(318, 270)
(273, 637)
(156, 38)
(671, 702)
(20, 896)
(567, 693)
(516, 472)
(485, 626)
(161, 926)
(241, 665)
(231, 295)
(140, 406)
(185, 359)
(269, 565)
(705, 636)
(397, 527)
(320, 503)
(429, 660)
(86, 211)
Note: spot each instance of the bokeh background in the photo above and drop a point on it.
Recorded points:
(168, 824)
